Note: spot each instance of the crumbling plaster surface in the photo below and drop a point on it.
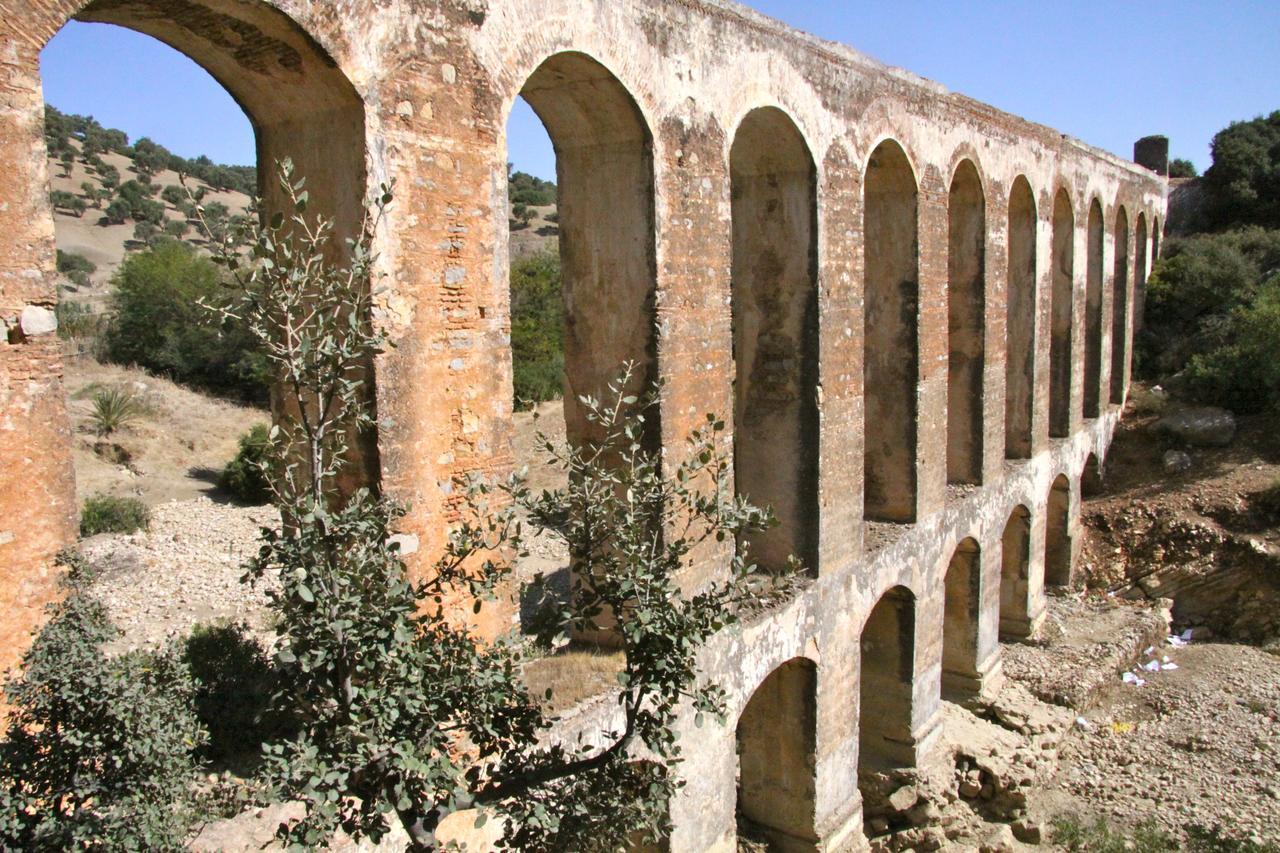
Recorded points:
(426, 89)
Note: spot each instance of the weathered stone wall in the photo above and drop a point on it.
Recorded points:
(644, 100)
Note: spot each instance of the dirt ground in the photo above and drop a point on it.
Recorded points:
(174, 451)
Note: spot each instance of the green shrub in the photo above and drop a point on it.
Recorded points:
(537, 329)
(114, 408)
(1243, 184)
(1243, 372)
(99, 751)
(524, 188)
(110, 514)
(157, 322)
(244, 477)
(76, 321)
(75, 267)
(234, 683)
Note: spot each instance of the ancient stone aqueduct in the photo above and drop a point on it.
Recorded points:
(918, 309)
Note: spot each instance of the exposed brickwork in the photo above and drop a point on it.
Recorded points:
(361, 91)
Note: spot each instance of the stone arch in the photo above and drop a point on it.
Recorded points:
(1058, 545)
(1120, 309)
(1061, 331)
(891, 338)
(776, 744)
(604, 172)
(299, 101)
(1091, 476)
(1093, 311)
(962, 586)
(1015, 575)
(966, 323)
(1020, 324)
(886, 675)
(775, 331)
(1139, 270)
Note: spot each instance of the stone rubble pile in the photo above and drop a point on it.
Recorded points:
(186, 569)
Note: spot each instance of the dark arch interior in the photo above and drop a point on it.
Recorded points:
(1120, 310)
(776, 737)
(960, 678)
(1015, 575)
(891, 337)
(1020, 329)
(1060, 346)
(966, 324)
(1057, 538)
(1093, 313)
(775, 332)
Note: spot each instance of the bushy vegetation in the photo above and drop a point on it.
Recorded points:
(1213, 318)
(537, 329)
(1180, 168)
(99, 751)
(1212, 321)
(244, 477)
(76, 267)
(234, 681)
(76, 321)
(523, 188)
(149, 157)
(1243, 184)
(157, 322)
(111, 514)
(386, 691)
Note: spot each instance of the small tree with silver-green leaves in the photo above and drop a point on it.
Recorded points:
(402, 710)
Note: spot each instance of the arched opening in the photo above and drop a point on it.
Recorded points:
(1020, 328)
(960, 677)
(1155, 240)
(776, 739)
(891, 354)
(1139, 270)
(185, 414)
(775, 332)
(604, 178)
(966, 324)
(1058, 546)
(1093, 313)
(1060, 345)
(1120, 310)
(1091, 477)
(886, 674)
(1015, 575)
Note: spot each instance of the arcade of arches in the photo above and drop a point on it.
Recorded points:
(916, 312)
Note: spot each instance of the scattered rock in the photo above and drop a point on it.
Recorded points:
(1176, 461)
(903, 798)
(1028, 831)
(1206, 426)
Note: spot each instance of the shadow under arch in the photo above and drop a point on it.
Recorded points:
(775, 331)
(777, 761)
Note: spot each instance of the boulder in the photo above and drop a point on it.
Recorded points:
(1204, 426)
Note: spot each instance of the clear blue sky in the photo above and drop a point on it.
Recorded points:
(1105, 72)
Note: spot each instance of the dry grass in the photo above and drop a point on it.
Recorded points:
(573, 674)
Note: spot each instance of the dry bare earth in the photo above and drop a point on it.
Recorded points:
(105, 245)
(174, 451)
(541, 235)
